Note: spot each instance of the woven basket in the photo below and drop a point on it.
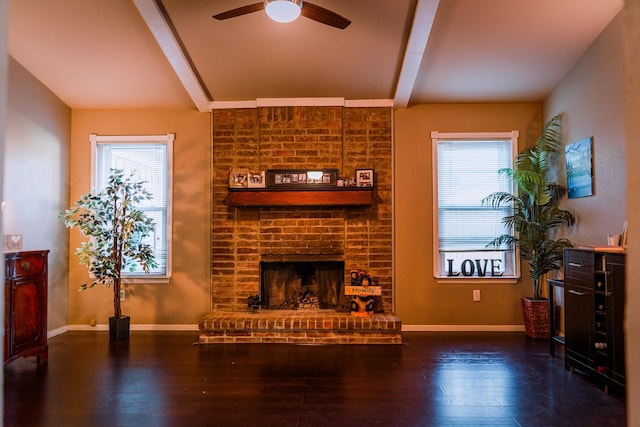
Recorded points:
(536, 317)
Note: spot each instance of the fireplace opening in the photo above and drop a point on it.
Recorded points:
(301, 285)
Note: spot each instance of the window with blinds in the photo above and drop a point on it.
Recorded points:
(466, 169)
(149, 159)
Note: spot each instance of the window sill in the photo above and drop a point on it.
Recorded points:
(146, 280)
(483, 280)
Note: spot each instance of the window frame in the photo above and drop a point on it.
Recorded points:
(167, 139)
(468, 136)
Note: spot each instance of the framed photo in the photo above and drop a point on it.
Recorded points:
(302, 179)
(364, 177)
(256, 179)
(239, 178)
(12, 242)
(579, 162)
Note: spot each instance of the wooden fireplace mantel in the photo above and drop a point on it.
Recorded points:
(339, 196)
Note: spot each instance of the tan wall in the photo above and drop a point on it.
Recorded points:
(591, 98)
(631, 37)
(419, 299)
(36, 178)
(185, 299)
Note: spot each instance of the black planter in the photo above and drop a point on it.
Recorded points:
(119, 328)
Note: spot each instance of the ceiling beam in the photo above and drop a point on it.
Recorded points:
(170, 45)
(420, 30)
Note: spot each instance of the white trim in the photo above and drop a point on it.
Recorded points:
(137, 327)
(358, 103)
(488, 280)
(56, 332)
(167, 139)
(195, 327)
(146, 279)
(163, 34)
(447, 136)
(435, 135)
(224, 105)
(434, 201)
(463, 328)
(414, 53)
(301, 102)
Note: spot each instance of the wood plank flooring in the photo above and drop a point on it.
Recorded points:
(164, 379)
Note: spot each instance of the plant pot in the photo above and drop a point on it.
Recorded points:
(536, 317)
(119, 328)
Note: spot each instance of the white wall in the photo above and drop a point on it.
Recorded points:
(4, 56)
(591, 99)
(36, 179)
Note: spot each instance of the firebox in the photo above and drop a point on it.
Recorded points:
(301, 285)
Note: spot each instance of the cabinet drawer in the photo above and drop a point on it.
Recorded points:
(578, 267)
(29, 265)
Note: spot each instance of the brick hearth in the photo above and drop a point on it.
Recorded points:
(299, 327)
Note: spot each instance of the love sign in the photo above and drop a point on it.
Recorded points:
(475, 267)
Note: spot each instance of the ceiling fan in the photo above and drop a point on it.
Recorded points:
(289, 10)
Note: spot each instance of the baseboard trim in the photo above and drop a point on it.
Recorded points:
(56, 332)
(194, 327)
(462, 328)
(134, 327)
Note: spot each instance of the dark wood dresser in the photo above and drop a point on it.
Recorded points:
(25, 316)
(594, 292)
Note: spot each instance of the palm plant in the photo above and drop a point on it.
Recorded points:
(116, 229)
(536, 216)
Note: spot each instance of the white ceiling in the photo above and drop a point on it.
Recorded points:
(173, 54)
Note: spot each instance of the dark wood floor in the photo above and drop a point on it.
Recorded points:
(433, 379)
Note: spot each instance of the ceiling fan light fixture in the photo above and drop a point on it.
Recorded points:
(283, 10)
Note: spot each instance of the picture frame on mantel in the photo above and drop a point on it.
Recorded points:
(238, 177)
(301, 179)
(256, 179)
(364, 177)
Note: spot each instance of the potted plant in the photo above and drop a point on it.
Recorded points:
(116, 229)
(535, 220)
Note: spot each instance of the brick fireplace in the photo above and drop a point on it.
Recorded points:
(358, 237)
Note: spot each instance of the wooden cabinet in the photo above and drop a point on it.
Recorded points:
(25, 319)
(594, 295)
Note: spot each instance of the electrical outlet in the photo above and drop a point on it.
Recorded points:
(476, 294)
(123, 294)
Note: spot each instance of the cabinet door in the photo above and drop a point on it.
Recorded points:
(7, 318)
(615, 271)
(578, 323)
(27, 314)
(578, 267)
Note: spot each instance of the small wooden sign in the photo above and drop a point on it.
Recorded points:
(363, 291)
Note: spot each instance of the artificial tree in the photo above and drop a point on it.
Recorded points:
(116, 229)
(536, 214)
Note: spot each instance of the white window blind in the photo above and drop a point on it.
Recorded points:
(149, 159)
(465, 172)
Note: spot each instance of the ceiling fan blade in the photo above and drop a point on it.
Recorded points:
(324, 16)
(239, 11)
